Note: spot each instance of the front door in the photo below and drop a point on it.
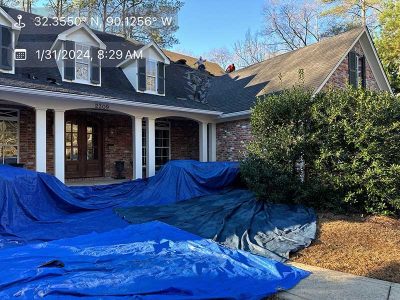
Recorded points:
(83, 147)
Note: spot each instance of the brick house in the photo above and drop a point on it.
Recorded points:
(115, 99)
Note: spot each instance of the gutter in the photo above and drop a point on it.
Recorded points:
(244, 114)
(37, 92)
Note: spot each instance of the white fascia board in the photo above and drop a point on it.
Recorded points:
(106, 100)
(244, 114)
(377, 71)
(10, 19)
(151, 44)
(63, 35)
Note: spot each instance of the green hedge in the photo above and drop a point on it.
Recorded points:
(339, 150)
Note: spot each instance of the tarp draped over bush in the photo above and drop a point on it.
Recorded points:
(337, 147)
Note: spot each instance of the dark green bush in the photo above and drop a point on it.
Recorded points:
(359, 152)
(343, 145)
(268, 182)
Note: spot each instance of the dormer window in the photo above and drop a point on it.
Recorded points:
(147, 73)
(82, 62)
(6, 48)
(83, 65)
(79, 60)
(151, 76)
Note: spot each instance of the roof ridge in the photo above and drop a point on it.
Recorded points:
(183, 54)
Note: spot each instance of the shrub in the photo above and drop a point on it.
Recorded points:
(359, 152)
(268, 182)
(343, 145)
(282, 127)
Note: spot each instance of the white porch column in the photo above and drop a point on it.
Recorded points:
(203, 149)
(137, 147)
(150, 147)
(212, 142)
(59, 145)
(40, 140)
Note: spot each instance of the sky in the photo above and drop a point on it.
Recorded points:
(209, 24)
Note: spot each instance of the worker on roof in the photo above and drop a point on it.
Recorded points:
(230, 68)
(201, 64)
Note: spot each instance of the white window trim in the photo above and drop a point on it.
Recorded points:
(169, 137)
(17, 118)
(89, 66)
(144, 137)
(156, 77)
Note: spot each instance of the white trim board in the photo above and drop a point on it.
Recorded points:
(105, 100)
(373, 61)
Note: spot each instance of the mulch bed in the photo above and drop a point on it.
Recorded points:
(365, 246)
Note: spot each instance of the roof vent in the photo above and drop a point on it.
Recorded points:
(52, 81)
(30, 76)
(181, 61)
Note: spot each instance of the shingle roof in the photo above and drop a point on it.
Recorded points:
(114, 82)
(228, 93)
(211, 67)
(237, 91)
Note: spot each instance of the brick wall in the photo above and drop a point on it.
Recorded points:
(27, 138)
(117, 135)
(117, 140)
(232, 138)
(340, 78)
(184, 139)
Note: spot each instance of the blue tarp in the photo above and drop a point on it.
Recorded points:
(91, 252)
(146, 261)
(234, 218)
(38, 207)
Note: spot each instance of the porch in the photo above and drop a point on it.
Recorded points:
(83, 146)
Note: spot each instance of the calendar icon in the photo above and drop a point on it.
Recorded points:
(20, 54)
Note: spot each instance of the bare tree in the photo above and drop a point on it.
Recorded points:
(360, 11)
(9, 3)
(221, 56)
(27, 5)
(290, 25)
(251, 50)
(60, 8)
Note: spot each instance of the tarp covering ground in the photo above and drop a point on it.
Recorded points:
(145, 261)
(92, 252)
(38, 207)
(237, 220)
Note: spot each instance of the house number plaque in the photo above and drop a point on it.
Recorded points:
(102, 106)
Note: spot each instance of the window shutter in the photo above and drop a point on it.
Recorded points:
(161, 77)
(363, 73)
(95, 66)
(142, 74)
(69, 63)
(353, 69)
(6, 48)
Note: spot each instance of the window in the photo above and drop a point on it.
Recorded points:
(6, 48)
(361, 80)
(162, 141)
(9, 128)
(163, 147)
(357, 77)
(151, 75)
(82, 62)
(71, 140)
(92, 151)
